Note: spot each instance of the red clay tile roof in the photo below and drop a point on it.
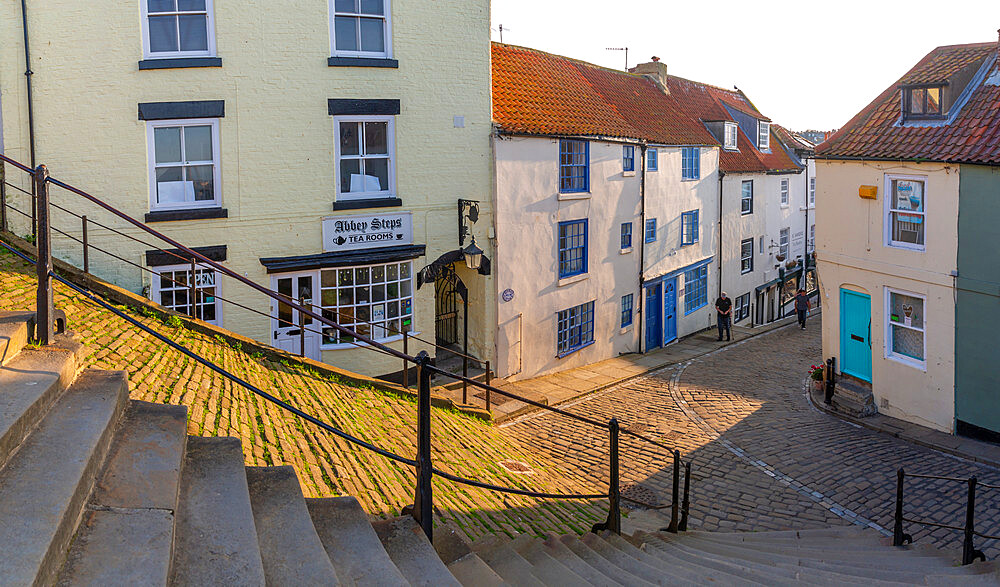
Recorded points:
(539, 93)
(973, 137)
(707, 103)
(791, 140)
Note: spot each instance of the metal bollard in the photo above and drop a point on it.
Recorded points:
(898, 536)
(969, 552)
(44, 309)
(423, 500)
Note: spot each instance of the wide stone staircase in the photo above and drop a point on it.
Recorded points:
(96, 489)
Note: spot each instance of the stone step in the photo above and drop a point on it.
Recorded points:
(351, 543)
(600, 563)
(215, 540)
(412, 553)
(682, 575)
(510, 565)
(13, 334)
(622, 560)
(29, 384)
(128, 531)
(729, 573)
(44, 486)
(558, 552)
(290, 549)
(472, 571)
(853, 534)
(854, 408)
(547, 569)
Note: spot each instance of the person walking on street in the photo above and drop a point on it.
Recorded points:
(724, 310)
(802, 307)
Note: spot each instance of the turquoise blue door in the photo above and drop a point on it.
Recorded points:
(670, 311)
(654, 328)
(856, 334)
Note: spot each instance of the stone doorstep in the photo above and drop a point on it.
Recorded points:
(966, 448)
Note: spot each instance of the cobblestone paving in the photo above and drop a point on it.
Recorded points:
(763, 457)
(326, 465)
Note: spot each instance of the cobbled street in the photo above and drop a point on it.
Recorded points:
(762, 456)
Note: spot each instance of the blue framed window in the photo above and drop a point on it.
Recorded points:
(574, 166)
(626, 235)
(689, 227)
(746, 197)
(695, 289)
(572, 248)
(628, 158)
(575, 328)
(626, 310)
(651, 230)
(690, 163)
(652, 164)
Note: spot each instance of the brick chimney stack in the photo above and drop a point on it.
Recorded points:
(655, 70)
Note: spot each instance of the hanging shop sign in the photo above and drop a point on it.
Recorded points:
(346, 233)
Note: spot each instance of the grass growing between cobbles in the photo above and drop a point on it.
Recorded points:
(326, 465)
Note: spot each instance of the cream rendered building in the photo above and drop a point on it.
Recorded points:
(318, 147)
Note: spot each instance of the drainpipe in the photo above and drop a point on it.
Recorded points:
(805, 229)
(642, 247)
(27, 75)
(721, 175)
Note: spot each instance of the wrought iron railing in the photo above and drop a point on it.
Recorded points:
(969, 551)
(42, 230)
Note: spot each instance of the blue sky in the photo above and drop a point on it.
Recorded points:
(805, 64)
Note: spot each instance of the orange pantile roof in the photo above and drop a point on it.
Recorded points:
(972, 137)
(709, 103)
(792, 140)
(540, 93)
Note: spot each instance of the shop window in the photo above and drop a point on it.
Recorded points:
(373, 300)
(171, 288)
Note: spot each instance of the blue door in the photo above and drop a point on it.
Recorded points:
(670, 311)
(654, 328)
(856, 334)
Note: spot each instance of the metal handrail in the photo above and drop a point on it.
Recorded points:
(423, 501)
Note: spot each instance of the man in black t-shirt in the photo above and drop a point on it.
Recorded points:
(724, 310)
(802, 307)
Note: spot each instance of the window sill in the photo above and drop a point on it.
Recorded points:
(690, 179)
(363, 204)
(625, 251)
(191, 214)
(746, 213)
(906, 247)
(922, 365)
(628, 173)
(563, 281)
(352, 345)
(180, 62)
(574, 195)
(784, 205)
(362, 62)
(571, 351)
(693, 310)
(625, 329)
(746, 272)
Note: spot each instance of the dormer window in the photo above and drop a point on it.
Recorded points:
(731, 136)
(922, 102)
(763, 135)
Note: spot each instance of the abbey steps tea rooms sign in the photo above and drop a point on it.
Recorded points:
(348, 233)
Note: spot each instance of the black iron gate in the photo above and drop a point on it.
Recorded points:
(446, 302)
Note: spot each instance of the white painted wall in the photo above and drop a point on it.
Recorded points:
(736, 227)
(528, 210)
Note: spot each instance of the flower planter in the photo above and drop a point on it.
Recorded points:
(819, 385)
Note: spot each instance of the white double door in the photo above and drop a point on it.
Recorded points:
(290, 328)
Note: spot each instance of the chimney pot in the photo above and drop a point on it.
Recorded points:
(657, 59)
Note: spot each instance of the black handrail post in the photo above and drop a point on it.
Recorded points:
(424, 499)
(86, 245)
(465, 348)
(614, 482)
(3, 196)
(675, 505)
(685, 507)
(45, 312)
(489, 407)
(898, 536)
(969, 552)
(831, 381)
(406, 364)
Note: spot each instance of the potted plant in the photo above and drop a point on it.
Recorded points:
(816, 376)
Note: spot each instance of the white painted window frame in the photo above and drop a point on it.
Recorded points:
(888, 324)
(387, 54)
(730, 133)
(318, 276)
(155, 291)
(783, 189)
(391, 147)
(746, 258)
(216, 164)
(812, 192)
(784, 241)
(763, 135)
(887, 212)
(812, 237)
(210, 23)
